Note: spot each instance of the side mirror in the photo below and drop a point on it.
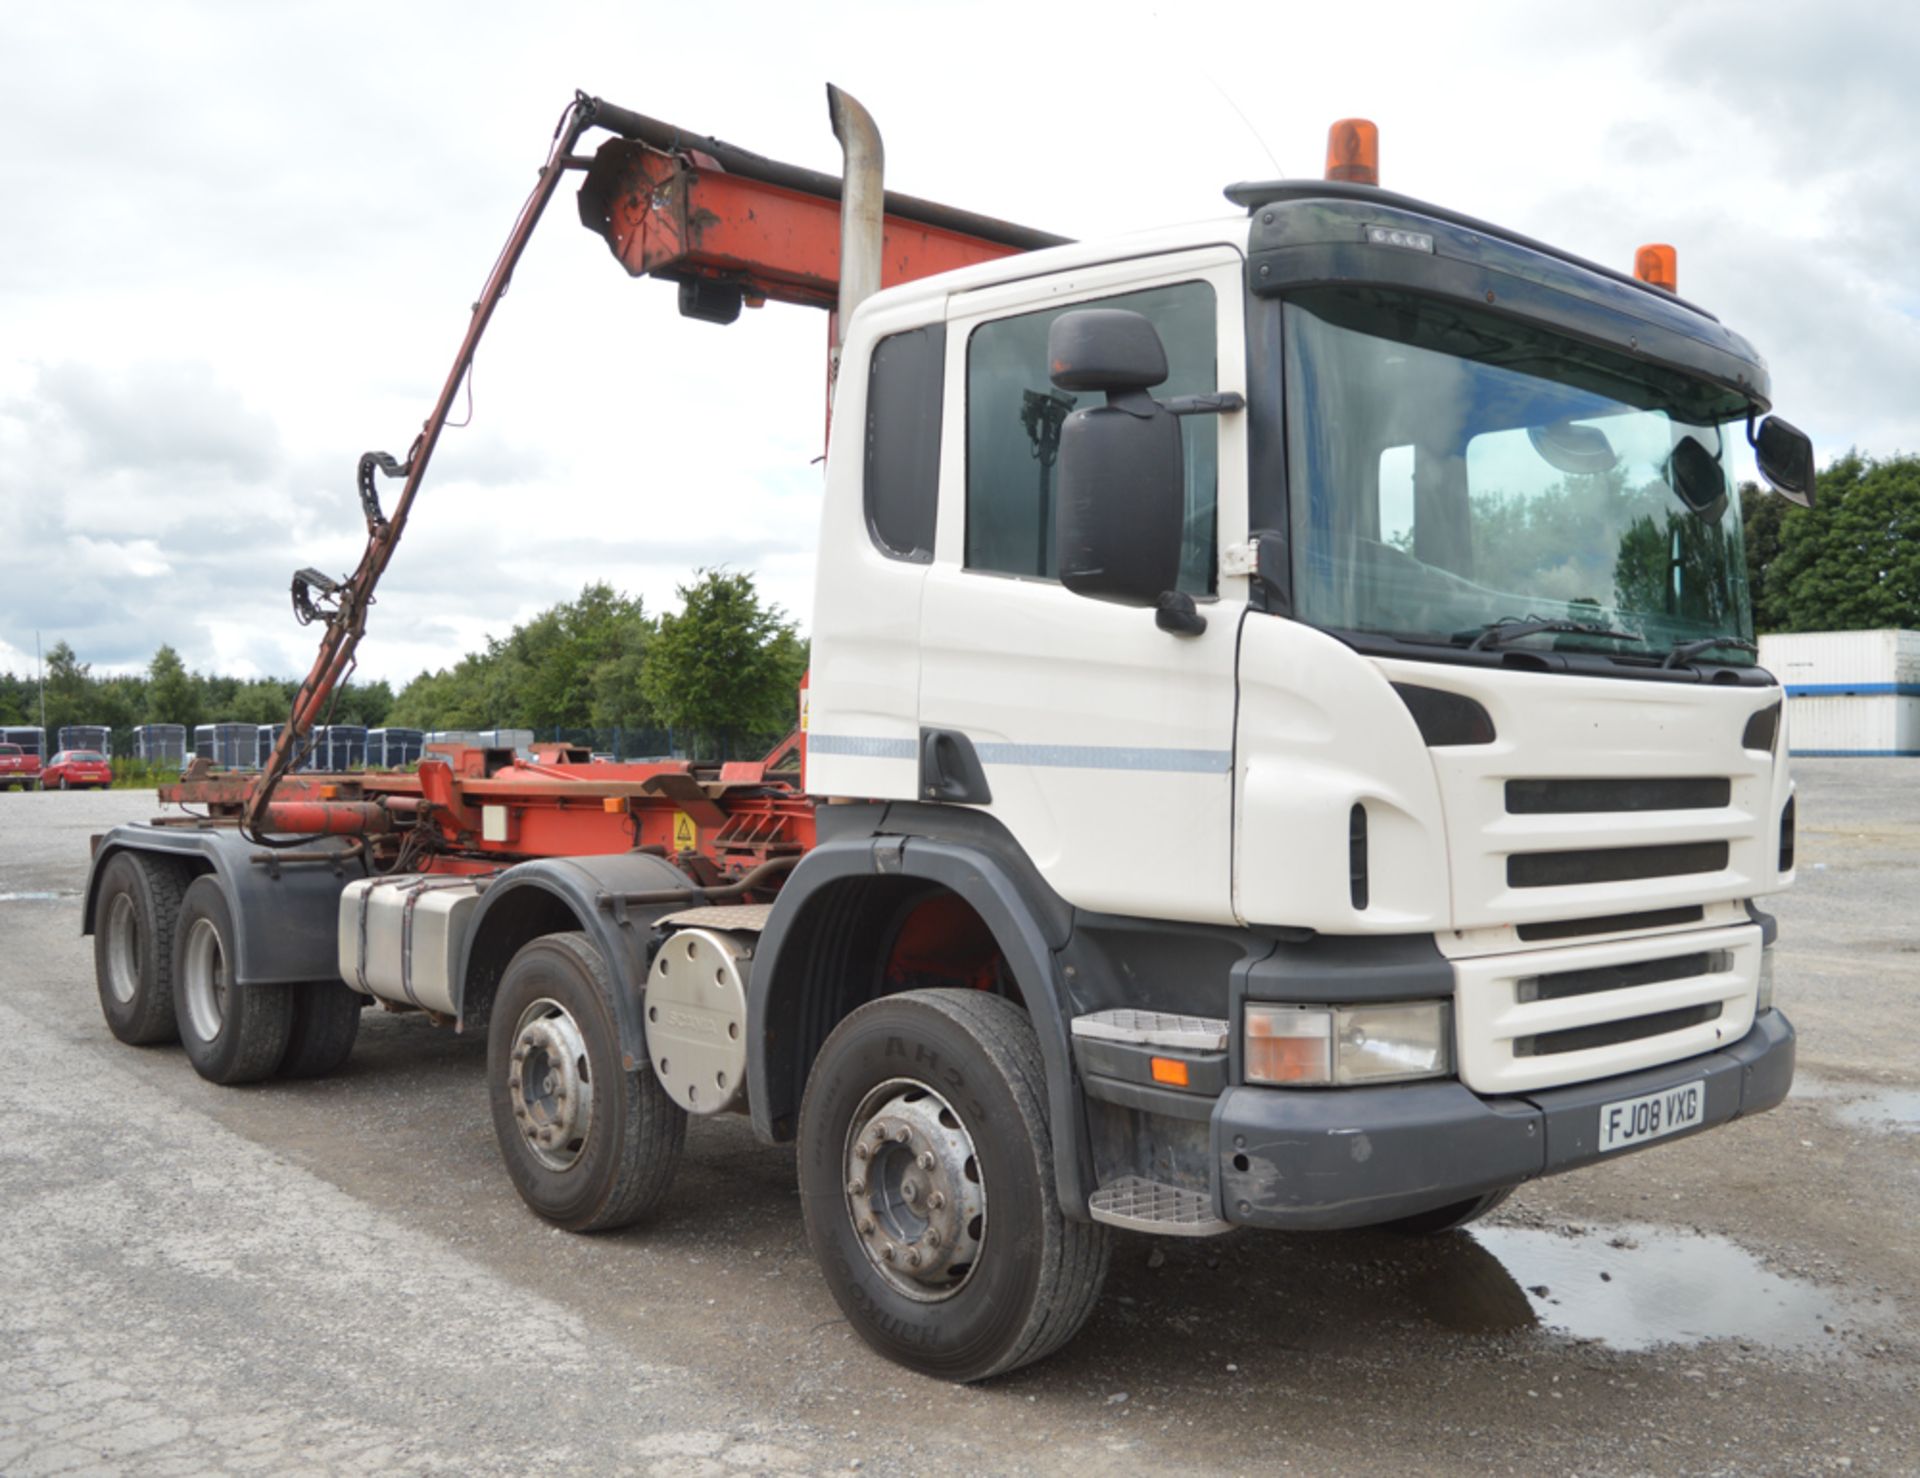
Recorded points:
(1121, 475)
(1784, 455)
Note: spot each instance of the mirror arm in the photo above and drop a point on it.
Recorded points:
(1206, 405)
(1178, 614)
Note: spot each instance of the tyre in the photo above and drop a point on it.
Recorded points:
(233, 1034)
(326, 1019)
(1448, 1218)
(63, 782)
(588, 1145)
(135, 914)
(927, 1182)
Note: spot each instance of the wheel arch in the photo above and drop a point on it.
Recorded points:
(285, 914)
(824, 922)
(558, 895)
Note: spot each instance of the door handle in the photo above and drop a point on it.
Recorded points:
(950, 769)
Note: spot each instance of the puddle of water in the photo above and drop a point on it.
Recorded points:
(1889, 1110)
(1637, 1287)
(35, 897)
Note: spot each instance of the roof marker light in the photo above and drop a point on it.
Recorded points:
(1353, 152)
(1394, 236)
(1658, 265)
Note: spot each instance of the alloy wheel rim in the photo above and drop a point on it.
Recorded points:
(914, 1190)
(123, 948)
(205, 983)
(550, 1084)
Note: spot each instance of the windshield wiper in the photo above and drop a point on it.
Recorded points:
(1507, 628)
(1684, 652)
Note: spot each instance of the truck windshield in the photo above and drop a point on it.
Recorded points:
(1449, 470)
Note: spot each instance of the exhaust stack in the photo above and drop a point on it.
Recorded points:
(863, 205)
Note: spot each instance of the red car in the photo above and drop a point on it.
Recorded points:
(17, 767)
(76, 769)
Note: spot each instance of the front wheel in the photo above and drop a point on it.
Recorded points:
(63, 782)
(589, 1145)
(927, 1182)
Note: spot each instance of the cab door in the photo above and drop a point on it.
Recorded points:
(1106, 743)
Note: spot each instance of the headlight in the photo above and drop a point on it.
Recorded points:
(1763, 999)
(1303, 1046)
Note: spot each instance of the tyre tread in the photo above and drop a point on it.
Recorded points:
(326, 1023)
(165, 882)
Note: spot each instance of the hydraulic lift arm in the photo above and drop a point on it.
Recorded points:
(732, 228)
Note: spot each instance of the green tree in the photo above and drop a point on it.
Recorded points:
(69, 686)
(1852, 561)
(726, 667)
(172, 697)
(1764, 517)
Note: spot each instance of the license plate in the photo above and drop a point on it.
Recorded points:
(1633, 1121)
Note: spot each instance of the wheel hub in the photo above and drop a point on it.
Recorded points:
(914, 1190)
(205, 982)
(123, 948)
(550, 1085)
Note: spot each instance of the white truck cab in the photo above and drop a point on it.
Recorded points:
(1436, 814)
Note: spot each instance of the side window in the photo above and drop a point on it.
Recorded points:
(1013, 432)
(903, 441)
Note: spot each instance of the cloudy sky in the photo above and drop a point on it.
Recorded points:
(238, 244)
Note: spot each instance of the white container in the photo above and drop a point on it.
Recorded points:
(400, 937)
(1849, 692)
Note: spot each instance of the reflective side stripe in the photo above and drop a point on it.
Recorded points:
(857, 747)
(1137, 758)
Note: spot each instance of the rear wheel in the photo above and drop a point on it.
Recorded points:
(589, 1145)
(927, 1180)
(1448, 1218)
(134, 917)
(233, 1034)
(326, 1020)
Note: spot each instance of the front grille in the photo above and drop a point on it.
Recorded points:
(1564, 984)
(1613, 864)
(1572, 797)
(1619, 923)
(1612, 1033)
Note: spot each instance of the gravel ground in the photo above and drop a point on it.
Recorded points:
(336, 1276)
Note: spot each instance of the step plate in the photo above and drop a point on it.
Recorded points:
(1143, 1205)
(1154, 1029)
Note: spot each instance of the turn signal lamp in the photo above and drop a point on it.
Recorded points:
(1353, 152)
(1658, 265)
(1171, 1071)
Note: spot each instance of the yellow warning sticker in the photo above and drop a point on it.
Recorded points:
(686, 836)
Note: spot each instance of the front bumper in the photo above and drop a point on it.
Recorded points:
(1312, 1159)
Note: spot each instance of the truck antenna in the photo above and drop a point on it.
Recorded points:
(1241, 114)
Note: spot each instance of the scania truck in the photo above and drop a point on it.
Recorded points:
(1283, 749)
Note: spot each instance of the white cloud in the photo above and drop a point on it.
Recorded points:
(253, 250)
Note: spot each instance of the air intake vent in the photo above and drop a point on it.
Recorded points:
(1357, 856)
(1570, 797)
(1614, 864)
(1446, 719)
(1762, 728)
(1592, 982)
(1612, 1033)
(1786, 836)
(1619, 923)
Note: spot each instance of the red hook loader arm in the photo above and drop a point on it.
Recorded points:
(732, 228)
